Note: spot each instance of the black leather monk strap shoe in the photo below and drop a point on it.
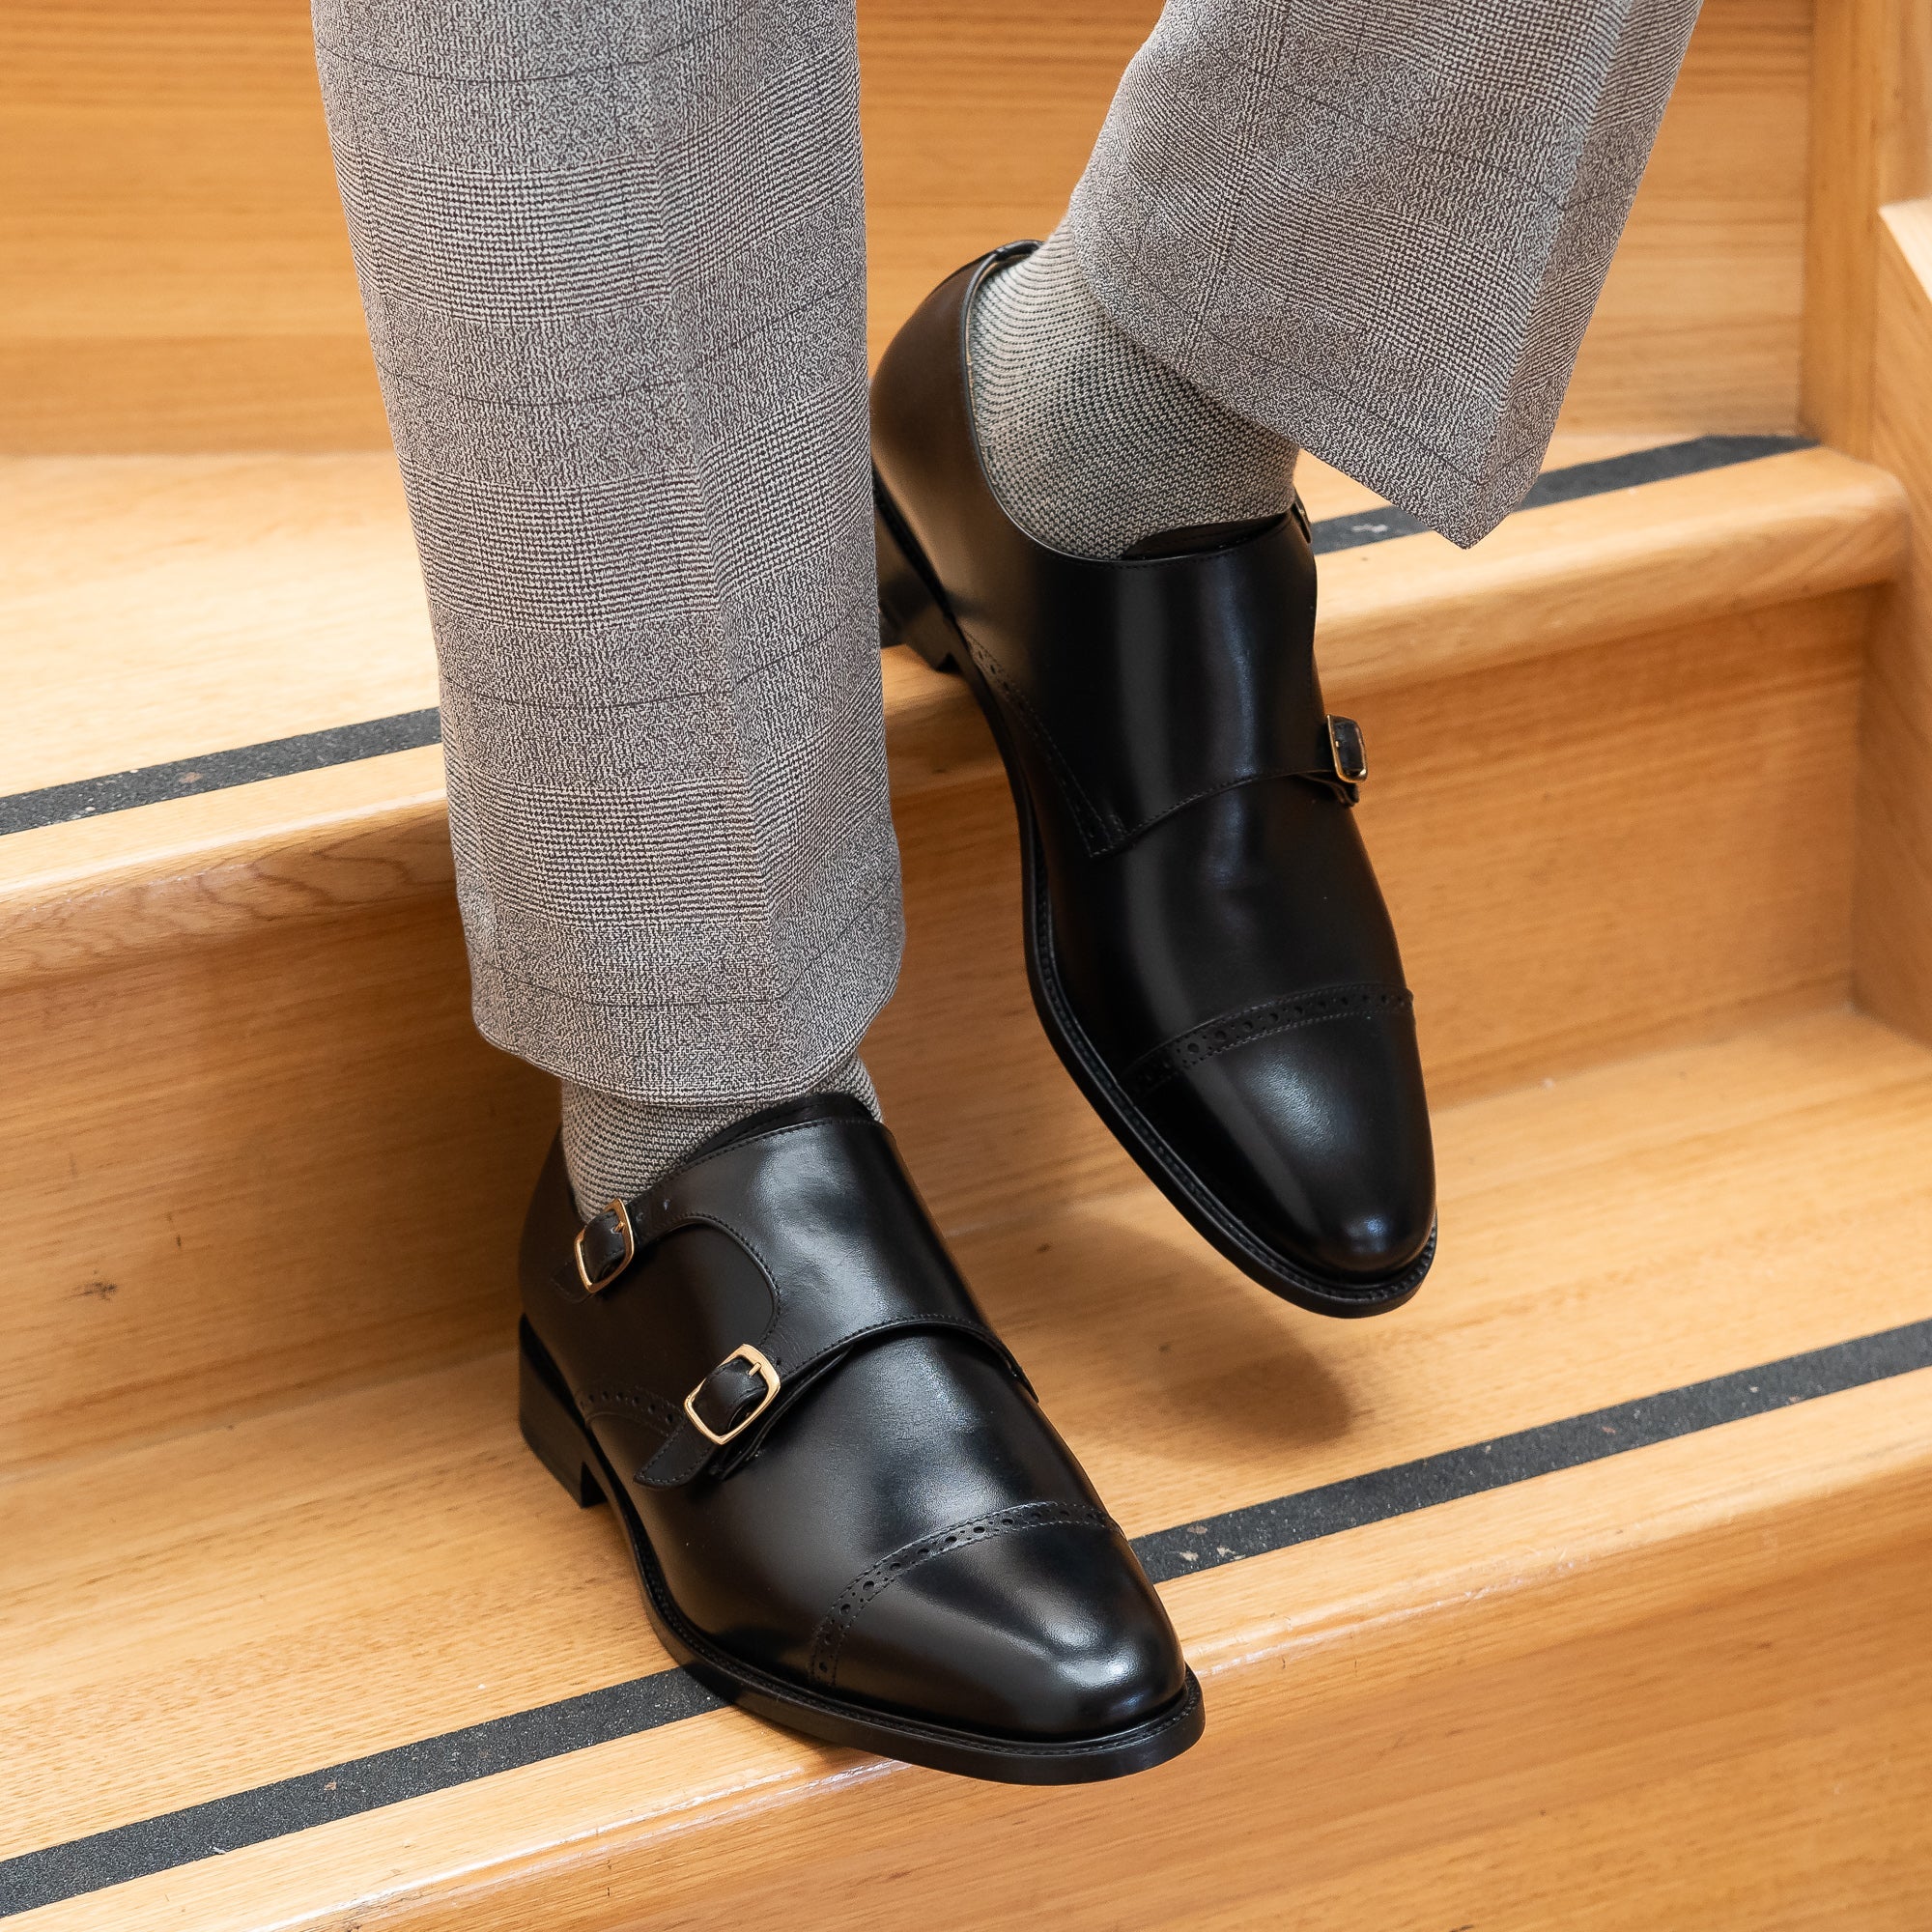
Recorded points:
(845, 1507)
(1208, 946)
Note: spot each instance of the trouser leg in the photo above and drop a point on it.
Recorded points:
(1378, 227)
(612, 254)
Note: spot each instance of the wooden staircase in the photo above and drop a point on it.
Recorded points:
(1588, 1591)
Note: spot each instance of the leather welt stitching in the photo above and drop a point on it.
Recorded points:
(869, 1584)
(1258, 1022)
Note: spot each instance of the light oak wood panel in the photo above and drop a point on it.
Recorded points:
(1699, 321)
(318, 1045)
(1895, 869)
(1623, 1658)
(1715, 1767)
(99, 894)
(300, 609)
(252, 1170)
(1871, 143)
(161, 607)
(176, 274)
(1675, 553)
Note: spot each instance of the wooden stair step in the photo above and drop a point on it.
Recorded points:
(1706, 1635)
(171, 610)
(223, 1010)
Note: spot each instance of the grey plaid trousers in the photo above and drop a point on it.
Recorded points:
(611, 253)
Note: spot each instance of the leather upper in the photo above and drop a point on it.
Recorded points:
(902, 1525)
(1214, 927)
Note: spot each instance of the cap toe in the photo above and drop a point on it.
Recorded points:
(1034, 1623)
(1316, 1138)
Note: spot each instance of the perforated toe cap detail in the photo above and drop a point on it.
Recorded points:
(1317, 1135)
(1036, 1615)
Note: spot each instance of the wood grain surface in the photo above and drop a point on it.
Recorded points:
(262, 1498)
(218, 1006)
(1871, 144)
(1894, 867)
(1699, 321)
(174, 273)
(1620, 1712)
(251, 1170)
(226, 600)
(1632, 1647)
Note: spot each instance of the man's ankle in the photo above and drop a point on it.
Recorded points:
(1091, 444)
(614, 1147)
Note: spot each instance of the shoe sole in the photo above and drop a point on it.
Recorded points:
(913, 611)
(556, 1435)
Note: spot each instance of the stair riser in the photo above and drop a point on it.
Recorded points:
(247, 1169)
(242, 1170)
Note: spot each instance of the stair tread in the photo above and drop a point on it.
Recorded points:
(226, 1608)
(245, 601)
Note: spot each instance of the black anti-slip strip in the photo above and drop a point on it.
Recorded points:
(1567, 486)
(217, 770)
(312, 750)
(648, 1703)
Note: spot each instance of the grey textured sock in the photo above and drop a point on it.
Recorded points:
(1090, 442)
(614, 1147)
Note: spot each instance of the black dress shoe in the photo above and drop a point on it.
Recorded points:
(1208, 946)
(846, 1510)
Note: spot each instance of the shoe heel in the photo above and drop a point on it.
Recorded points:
(908, 612)
(550, 1423)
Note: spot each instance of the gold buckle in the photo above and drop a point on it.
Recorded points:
(768, 1374)
(623, 1262)
(1347, 750)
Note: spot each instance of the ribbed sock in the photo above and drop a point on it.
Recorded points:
(1090, 444)
(616, 1148)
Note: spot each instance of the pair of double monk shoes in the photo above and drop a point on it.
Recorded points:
(847, 1511)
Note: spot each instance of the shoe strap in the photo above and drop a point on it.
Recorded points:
(850, 1254)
